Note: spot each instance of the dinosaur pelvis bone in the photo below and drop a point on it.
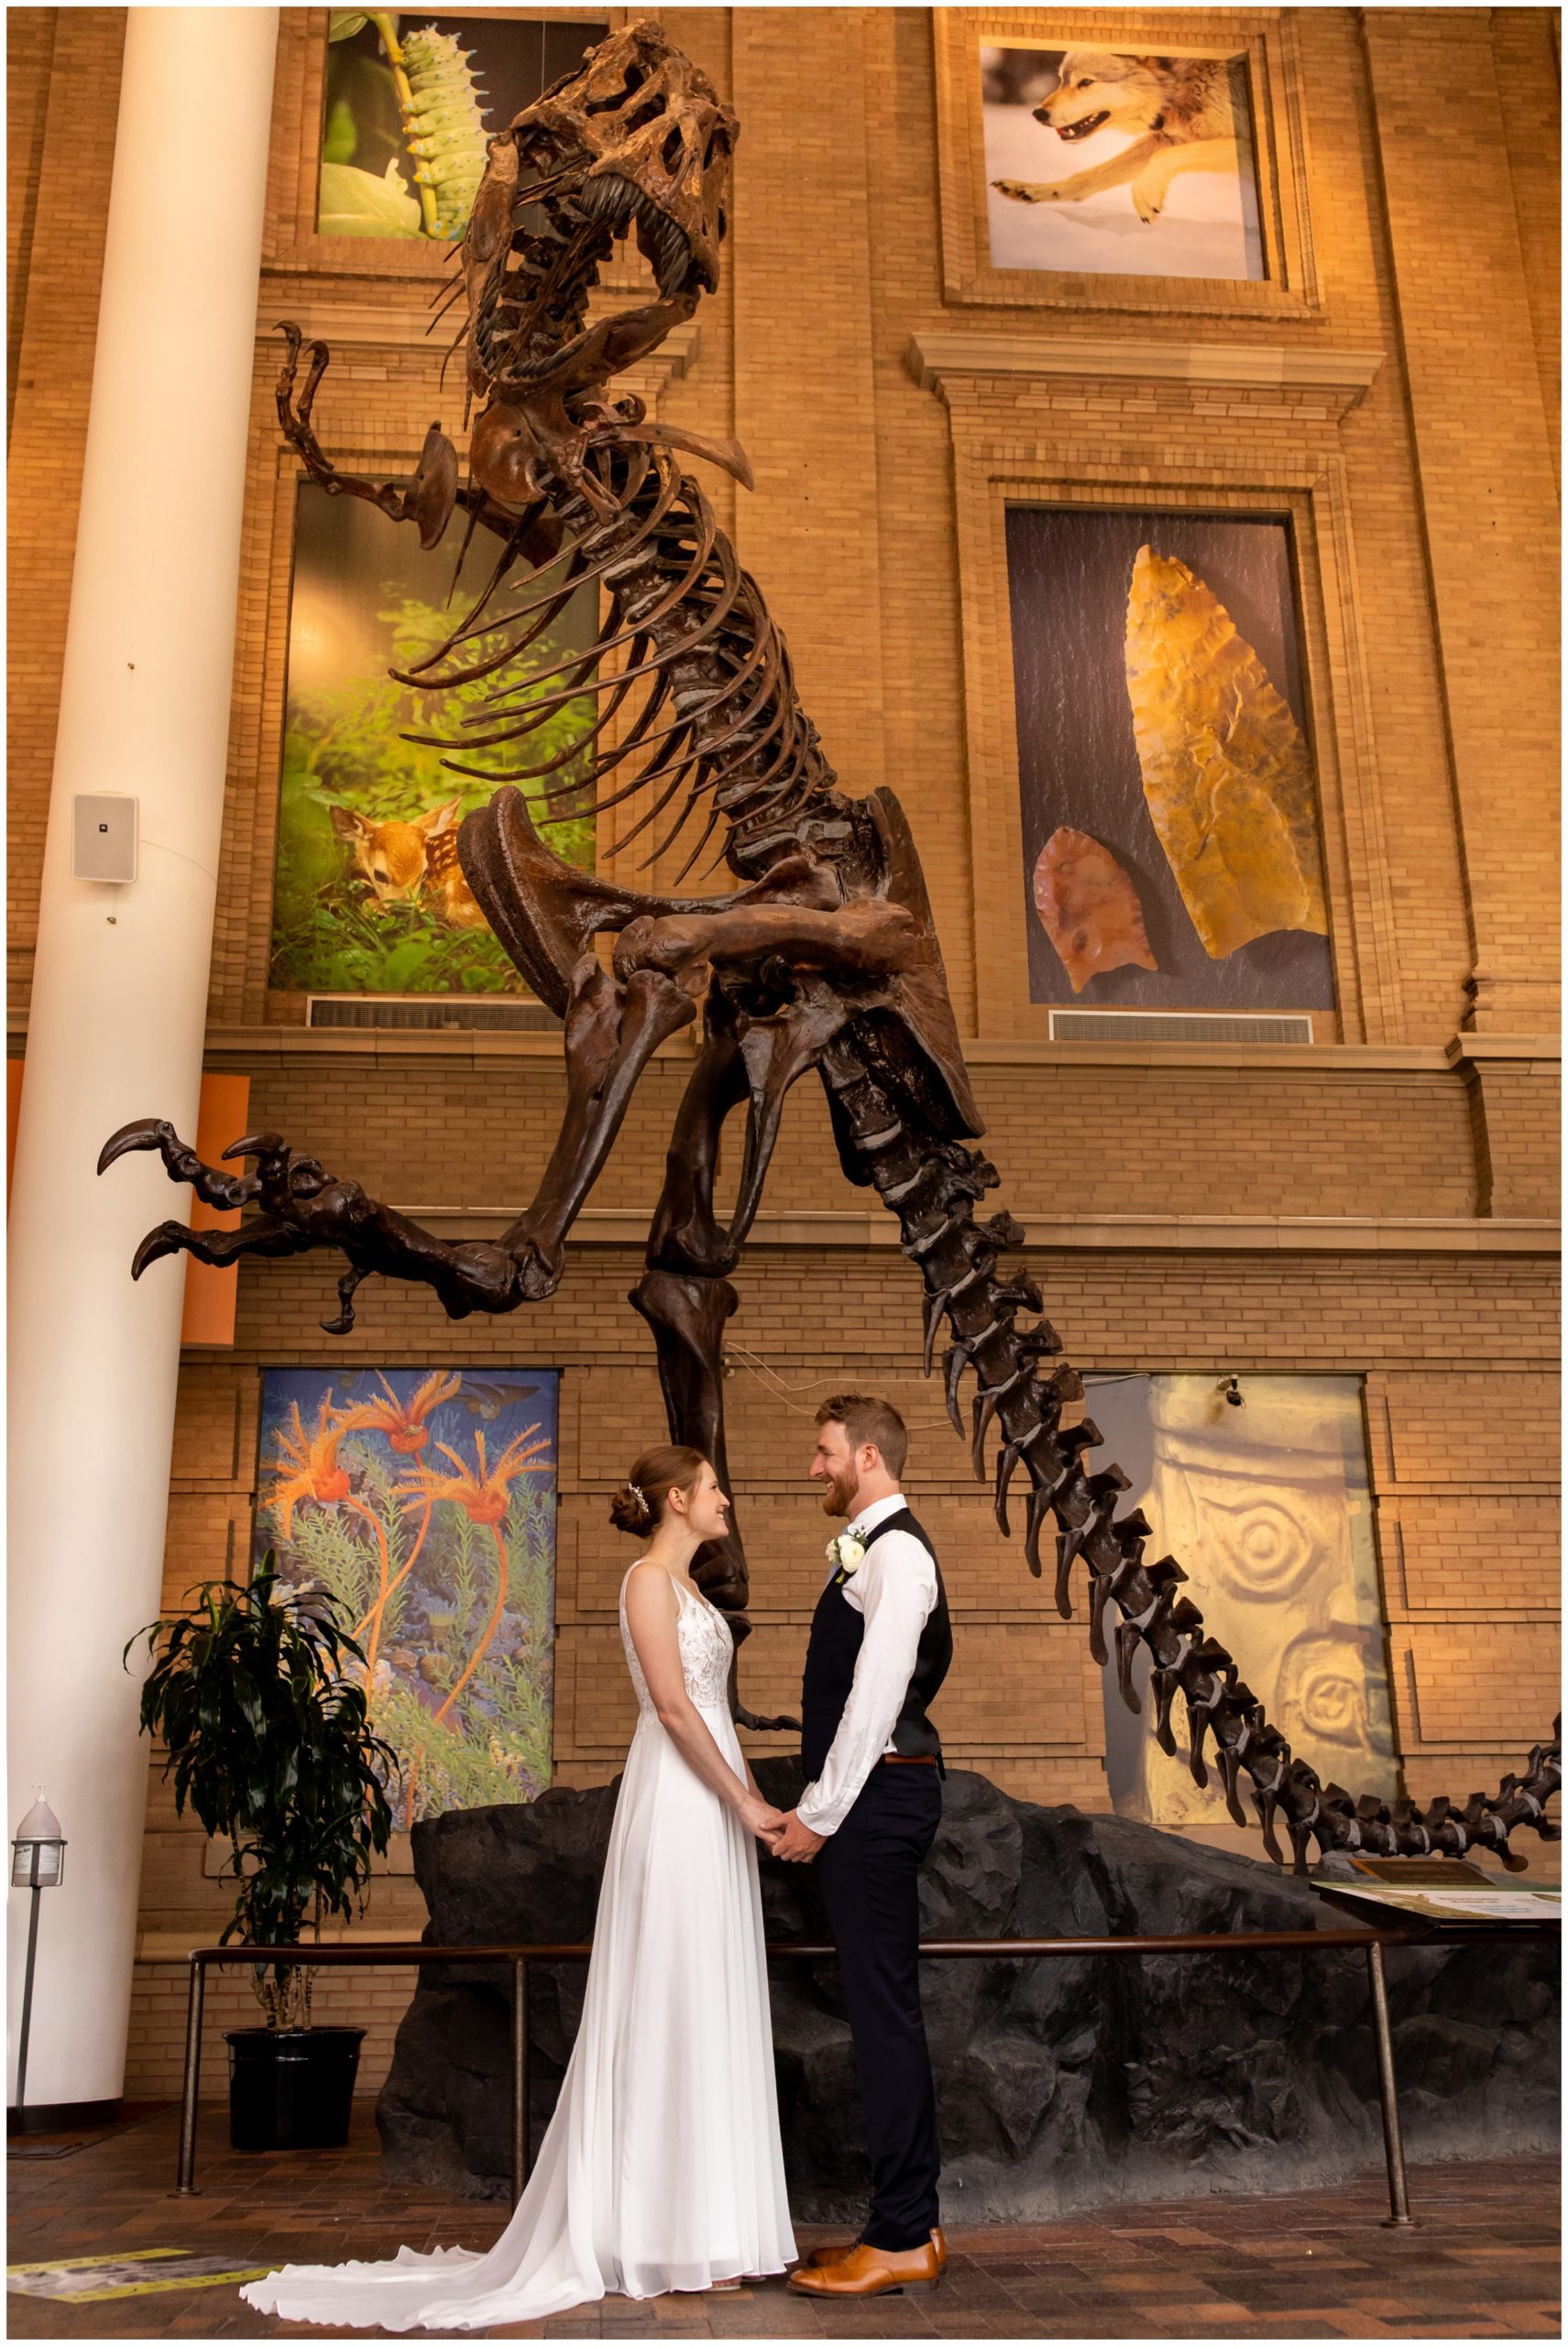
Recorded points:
(546, 912)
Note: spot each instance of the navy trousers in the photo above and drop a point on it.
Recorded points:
(868, 1871)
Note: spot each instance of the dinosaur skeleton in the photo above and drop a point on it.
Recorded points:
(823, 958)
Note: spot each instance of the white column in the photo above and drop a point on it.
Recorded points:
(120, 992)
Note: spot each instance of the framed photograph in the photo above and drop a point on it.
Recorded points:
(1168, 791)
(1266, 1498)
(425, 1500)
(395, 108)
(368, 895)
(409, 103)
(1094, 169)
(1107, 159)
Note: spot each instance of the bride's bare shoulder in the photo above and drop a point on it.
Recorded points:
(649, 1587)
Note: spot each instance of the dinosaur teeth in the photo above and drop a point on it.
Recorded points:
(603, 197)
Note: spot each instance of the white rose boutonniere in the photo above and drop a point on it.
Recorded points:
(847, 1553)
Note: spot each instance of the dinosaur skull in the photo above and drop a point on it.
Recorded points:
(635, 141)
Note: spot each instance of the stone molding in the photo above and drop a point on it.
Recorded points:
(344, 323)
(1090, 1234)
(1544, 1049)
(935, 358)
(241, 1049)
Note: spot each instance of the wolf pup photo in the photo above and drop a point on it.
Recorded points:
(1102, 161)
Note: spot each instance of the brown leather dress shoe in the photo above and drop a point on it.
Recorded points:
(821, 2256)
(873, 2272)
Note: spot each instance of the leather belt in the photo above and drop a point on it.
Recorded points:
(908, 1758)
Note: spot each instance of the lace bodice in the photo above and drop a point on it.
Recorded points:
(707, 1648)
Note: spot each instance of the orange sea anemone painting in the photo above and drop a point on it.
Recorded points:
(439, 1536)
(306, 1464)
(482, 1492)
(403, 1422)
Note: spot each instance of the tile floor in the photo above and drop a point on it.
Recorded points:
(1316, 2264)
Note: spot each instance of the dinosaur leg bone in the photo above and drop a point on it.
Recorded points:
(777, 1052)
(612, 1032)
(661, 963)
(741, 1058)
(687, 1317)
(686, 1236)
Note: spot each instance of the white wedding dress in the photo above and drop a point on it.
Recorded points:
(661, 2169)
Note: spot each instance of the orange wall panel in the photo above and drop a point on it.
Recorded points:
(210, 1293)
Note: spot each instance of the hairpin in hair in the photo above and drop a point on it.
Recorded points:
(637, 1494)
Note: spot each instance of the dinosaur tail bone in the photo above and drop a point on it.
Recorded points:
(1022, 1387)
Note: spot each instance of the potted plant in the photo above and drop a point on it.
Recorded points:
(270, 1743)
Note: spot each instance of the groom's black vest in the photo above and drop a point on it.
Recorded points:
(837, 1632)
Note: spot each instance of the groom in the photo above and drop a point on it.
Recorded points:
(881, 1644)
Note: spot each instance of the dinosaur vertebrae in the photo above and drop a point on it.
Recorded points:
(1023, 1386)
(699, 692)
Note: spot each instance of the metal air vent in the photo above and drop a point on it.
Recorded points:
(428, 1014)
(1175, 1027)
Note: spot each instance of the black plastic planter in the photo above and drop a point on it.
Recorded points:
(291, 2088)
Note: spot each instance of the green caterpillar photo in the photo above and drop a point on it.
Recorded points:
(409, 105)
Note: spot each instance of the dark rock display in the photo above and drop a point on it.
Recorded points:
(1062, 2083)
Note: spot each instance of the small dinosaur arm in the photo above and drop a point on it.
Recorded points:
(825, 958)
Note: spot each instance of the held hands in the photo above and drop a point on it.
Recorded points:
(759, 1817)
(795, 1842)
(780, 1835)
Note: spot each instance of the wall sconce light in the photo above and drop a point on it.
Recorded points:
(1231, 1388)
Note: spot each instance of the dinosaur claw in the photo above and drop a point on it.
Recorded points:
(142, 1132)
(347, 1287)
(256, 1145)
(166, 1239)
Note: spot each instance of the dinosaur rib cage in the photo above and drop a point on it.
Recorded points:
(694, 681)
(1023, 1387)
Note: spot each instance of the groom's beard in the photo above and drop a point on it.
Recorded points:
(840, 1496)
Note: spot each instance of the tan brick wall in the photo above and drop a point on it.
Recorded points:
(29, 54)
(1515, 1118)
(68, 176)
(1075, 1137)
(1424, 536)
(1525, 43)
(1488, 503)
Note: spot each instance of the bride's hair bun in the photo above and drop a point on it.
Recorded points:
(629, 1511)
(639, 1506)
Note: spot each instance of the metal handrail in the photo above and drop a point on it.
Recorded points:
(365, 1954)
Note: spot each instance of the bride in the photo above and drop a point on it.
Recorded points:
(661, 2169)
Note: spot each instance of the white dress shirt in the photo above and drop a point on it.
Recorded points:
(896, 1588)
